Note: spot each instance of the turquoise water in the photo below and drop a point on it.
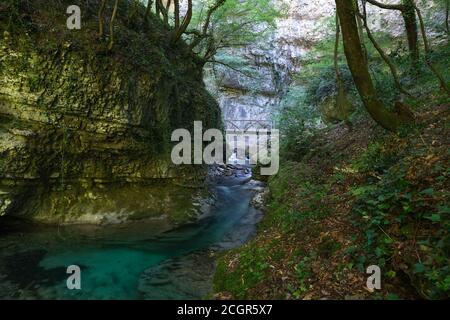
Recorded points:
(126, 262)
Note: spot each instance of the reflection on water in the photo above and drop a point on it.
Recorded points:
(138, 261)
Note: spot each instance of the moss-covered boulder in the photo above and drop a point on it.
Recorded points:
(85, 131)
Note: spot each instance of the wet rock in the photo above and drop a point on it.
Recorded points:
(188, 277)
(260, 199)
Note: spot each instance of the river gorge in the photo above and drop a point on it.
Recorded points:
(90, 116)
(161, 261)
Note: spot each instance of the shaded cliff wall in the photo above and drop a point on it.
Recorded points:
(85, 132)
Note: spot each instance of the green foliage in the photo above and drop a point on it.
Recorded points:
(401, 221)
(251, 270)
(302, 178)
(12, 16)
(310, 99)
(395, 212)
(236, 20)
(375, 159)
(235, 24)
(297, 122)
(311, 96)
(303, 272)
(251, 264)
(323, 85)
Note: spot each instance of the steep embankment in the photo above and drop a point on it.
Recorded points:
(346, 200)
(355, 199)
(85, 132)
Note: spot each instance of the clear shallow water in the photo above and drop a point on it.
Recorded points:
(126, 262)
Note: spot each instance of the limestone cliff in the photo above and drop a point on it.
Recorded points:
(85, 132)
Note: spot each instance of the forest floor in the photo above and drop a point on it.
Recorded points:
(356, 198)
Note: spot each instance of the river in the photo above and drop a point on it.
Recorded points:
(130, 261)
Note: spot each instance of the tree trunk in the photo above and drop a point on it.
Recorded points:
(447, 11)
(167, 11)
(177, 13)
(360, 71)
(158, 5)
(342, 105)
(148, 9)
(111, 25)
(361, 30)
(184, 25)
(409, 16)
(100, 18)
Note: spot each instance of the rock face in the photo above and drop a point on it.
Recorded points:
(85, 132)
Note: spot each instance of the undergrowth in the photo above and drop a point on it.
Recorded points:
(401, 205)
(345, 200)
(384, 202)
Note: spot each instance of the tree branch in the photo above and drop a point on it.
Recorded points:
(433, 69)
(231, 67)
(384, 56)
(204, 32)
(184, 25)
(386, 6)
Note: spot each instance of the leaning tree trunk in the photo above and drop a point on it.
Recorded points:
(360, 71)
(111, 25)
